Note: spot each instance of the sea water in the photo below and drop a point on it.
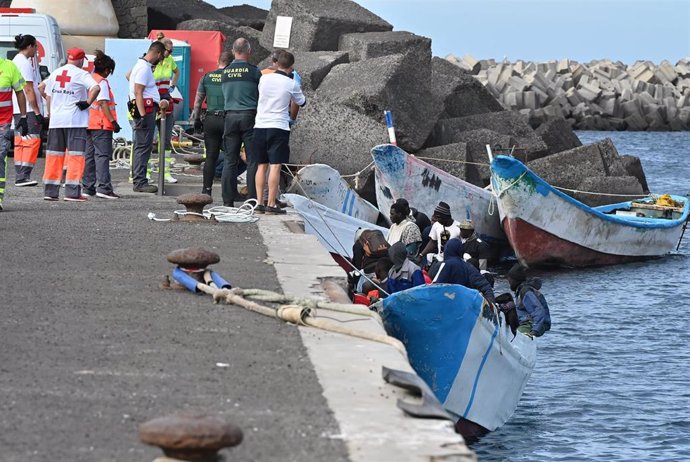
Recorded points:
(612, 380)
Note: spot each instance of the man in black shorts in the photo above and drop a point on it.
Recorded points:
(272, 126)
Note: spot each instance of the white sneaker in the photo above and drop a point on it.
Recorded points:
(25, 183)
(170, 179)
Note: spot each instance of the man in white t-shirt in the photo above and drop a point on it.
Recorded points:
(272, 126)
(144, 93)
(26, 148)
(443, 229)
(70, 90)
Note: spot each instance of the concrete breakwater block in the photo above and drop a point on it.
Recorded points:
(478, 172)
(370, 45)
(313, 66)
(633, 167)
(246, 15)
(167, 14)
(566, 169)
(394, 83)
(336, 135)
(232, 32)
(458, 92)
(319, 24)
(558, 135)
(625, 188)
(569, 169)
(600, 95)
(613, 164)
(450, 158)
(507, 123)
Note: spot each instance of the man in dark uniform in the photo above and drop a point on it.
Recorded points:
(240, 85)
(214, 124)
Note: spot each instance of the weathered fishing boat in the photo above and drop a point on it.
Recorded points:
(334, 230)
(547, 227)
(399, 175)
(323, 184)
(464, 351)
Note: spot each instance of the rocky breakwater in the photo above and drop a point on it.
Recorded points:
(354, 66)
(599, 95)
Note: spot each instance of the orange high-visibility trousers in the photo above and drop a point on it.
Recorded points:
(26, 148)
(65, 150)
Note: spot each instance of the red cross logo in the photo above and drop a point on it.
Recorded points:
(63, 78)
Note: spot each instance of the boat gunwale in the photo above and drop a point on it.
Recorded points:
(484, 193)
(517, 169)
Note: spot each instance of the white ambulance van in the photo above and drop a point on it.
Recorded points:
(15, 21)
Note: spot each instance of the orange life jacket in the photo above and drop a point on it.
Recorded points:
(97, 118)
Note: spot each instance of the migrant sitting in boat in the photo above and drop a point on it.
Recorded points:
(472, 246)
(404, 274)
(370, 246)
(455, 270)
(532, 309)
(403, 228)
(380, 280)
(442, 230)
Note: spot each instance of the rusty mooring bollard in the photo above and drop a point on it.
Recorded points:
(194, 161)
(193, 438)
(193, 260)
(194, 203)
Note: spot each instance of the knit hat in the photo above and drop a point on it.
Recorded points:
(517, 273)
(466, 224)
(442, 210)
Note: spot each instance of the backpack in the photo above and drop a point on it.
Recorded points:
(374, 243)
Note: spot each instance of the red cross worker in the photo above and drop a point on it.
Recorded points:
(69, 92)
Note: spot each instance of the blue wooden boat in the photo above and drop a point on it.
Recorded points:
(464, 351)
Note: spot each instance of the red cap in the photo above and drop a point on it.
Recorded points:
(75, 54)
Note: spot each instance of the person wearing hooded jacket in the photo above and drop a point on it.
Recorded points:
(404, 274)
(532, 309)
(455, 270)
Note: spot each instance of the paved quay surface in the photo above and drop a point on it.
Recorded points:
(90, 347)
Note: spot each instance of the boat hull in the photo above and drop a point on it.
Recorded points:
(472, 362)
(538, 247)
(324, 185)
(334, 230)
(547, 227)
(399, 175)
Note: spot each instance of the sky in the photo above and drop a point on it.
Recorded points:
(540, 30)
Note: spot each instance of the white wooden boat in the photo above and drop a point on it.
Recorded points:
(334, 230)
(323, 184)
(399, 175)
(548, 227)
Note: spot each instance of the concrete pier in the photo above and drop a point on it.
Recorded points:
(92, 347)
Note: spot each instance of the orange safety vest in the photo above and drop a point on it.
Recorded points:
(97, 118)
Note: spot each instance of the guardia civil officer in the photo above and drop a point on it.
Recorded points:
(240, 84)
(210, 90)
